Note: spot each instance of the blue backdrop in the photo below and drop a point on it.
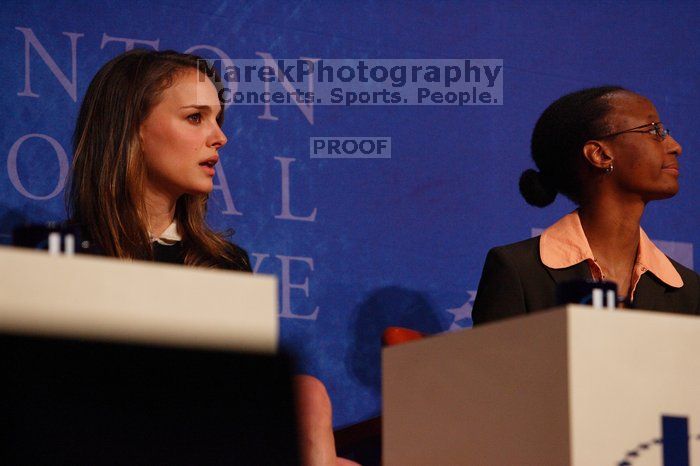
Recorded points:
(360, 244)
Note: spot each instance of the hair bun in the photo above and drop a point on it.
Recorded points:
(534, 189)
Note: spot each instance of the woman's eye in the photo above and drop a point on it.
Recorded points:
(195, 118)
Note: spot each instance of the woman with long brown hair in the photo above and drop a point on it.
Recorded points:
(145, 146)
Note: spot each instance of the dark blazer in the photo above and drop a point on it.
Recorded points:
(175, 254)
(515, 281)
(172, 254)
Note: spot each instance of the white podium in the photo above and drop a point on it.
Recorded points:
(136, 301)
(570, 386)
(105, 361)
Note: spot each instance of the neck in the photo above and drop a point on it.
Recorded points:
(612, 231)
(160, 211)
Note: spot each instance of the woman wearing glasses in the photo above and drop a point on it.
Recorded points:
(606, 150)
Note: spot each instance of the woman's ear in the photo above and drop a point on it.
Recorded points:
(597, 154)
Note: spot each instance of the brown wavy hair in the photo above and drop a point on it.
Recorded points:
(107, 177)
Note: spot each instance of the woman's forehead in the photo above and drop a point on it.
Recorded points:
(632, 109)
(192, 88)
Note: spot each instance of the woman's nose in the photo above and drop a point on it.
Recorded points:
(672, 146)
(218, 138)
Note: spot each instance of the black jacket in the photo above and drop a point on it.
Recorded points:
(515, 281)
(175, 254)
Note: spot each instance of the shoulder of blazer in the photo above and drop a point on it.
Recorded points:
(525, 257)
(523, 252)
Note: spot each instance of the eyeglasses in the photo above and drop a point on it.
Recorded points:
(657, 129)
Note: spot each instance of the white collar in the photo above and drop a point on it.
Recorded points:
(169, 237)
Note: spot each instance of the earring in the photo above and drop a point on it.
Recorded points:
(608, 170)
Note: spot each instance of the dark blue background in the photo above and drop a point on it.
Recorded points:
(396, 241)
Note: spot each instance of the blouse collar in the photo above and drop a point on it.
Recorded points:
(564, 244)
(169, 237)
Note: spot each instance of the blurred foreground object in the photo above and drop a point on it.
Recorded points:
(113, 362)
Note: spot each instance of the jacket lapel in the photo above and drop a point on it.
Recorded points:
(580, 271)
(648, 293)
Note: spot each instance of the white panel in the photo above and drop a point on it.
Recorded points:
(105, 298)
(571, 386)
(490, 396)
(627, 369)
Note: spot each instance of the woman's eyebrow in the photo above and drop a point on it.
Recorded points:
(199, 107)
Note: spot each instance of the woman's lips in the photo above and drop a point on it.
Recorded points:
(208, 170)
(671, 169)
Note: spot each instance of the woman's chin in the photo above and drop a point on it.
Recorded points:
(200, 190)
(666, 193)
